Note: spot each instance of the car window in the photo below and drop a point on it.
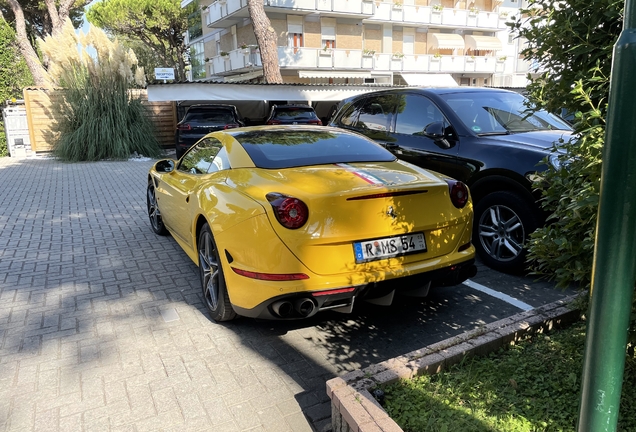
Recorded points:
(290, 148)
(350, 115)
(500, 112)
(377, 113)
(295, 113)
(210, 116)
(415, 113)
(220, 162)
(199, 158)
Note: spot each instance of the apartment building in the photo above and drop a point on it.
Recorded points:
(417, 42)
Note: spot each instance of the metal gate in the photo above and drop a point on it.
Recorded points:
(16, 128)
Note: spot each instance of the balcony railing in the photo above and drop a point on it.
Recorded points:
(238, 60)
(364, 7)
(221, 9)
(242, 60)
(412, 14)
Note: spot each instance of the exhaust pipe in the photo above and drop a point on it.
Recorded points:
(283, 308)
(304, 306)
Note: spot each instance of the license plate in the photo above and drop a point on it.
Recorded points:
(389, 247)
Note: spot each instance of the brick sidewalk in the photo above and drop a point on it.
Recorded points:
(101, 323)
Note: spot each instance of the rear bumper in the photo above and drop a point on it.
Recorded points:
(306, 304)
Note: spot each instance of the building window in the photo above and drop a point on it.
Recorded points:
(296, 41)
(197, 61)
(328, 32)
(328, 43)
(511, 38)
(295, 32)
(195, 29)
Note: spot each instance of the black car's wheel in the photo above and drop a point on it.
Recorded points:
(153, 210)
(215, 293)
(503, 222)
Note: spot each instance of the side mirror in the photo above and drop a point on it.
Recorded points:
(436, 132)
(164, 166)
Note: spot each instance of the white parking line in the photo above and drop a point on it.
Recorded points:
(501, 296)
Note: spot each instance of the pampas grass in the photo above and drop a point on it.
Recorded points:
(101, 119)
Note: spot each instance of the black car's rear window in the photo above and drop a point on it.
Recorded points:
(214, 116)
(294, 113)
(280, 148)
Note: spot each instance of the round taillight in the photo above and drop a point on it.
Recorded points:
(291, 212)
(458, 193)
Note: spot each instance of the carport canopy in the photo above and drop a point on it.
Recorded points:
(223, 91)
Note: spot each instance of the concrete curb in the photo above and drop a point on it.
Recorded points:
(354, 409)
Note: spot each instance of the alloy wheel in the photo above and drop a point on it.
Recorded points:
(153, 209)
(501, 233)
(209, 267)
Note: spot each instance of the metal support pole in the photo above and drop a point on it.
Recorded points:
(613, 272)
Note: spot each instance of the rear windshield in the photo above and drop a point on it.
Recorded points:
(220, 116)
(281, 148)
(294, 113)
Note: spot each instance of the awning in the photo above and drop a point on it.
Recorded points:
(483, 43)
(333, 74)
(446, 41)
(429, 80)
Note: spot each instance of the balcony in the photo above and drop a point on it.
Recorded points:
(347, 7)
(244, 60)
(444, 17)
(225, 13)
(236, 61)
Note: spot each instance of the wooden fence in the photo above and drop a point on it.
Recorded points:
(41, 117)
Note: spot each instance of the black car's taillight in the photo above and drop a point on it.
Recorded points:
(291, 212)
(458, 193)
(316, 122)
(231, 126)
(273, 122)
(184, 127)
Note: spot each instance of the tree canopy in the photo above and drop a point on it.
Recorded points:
(33, 19)
(14, 74)
(158, 25)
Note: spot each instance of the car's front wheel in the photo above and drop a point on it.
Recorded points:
(213, 285)
(503, 222)
(153, 210)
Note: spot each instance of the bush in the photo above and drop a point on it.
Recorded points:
(100, 119)
(14, 74)
(574, 55)
(4, 151)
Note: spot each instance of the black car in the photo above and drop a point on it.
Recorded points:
(201, 119)
(487, 138)
(292, 114)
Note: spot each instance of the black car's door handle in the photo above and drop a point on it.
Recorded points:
(389, 146)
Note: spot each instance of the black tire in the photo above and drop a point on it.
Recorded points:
(503, 222)
(215, 295)
(156, 223)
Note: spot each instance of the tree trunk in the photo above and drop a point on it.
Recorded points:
(31, 58)
(267, 41)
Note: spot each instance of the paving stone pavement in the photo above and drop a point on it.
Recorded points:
(101, 323)
(102, 327)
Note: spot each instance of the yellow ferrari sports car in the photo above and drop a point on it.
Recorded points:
(287, 221)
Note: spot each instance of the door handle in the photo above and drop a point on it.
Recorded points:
(391, 146)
